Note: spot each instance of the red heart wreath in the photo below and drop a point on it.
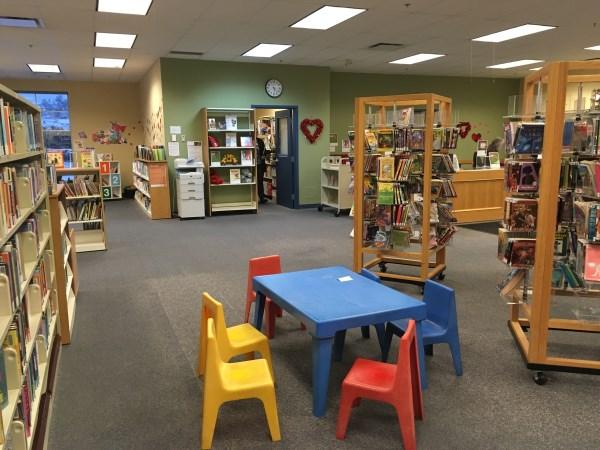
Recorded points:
(464, 128)
(476, 137)
(314, 135)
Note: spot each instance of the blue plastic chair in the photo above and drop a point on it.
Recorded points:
(340, 336)
(441, 324)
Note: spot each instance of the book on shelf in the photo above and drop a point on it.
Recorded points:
(521, 176)
(587, 220)
(17, 129)
(246, 175)
(215, 158)
(246, 141)
(212, 123)
(154, 153)
(56, 158)
(246, 157)
(588, 255)
(529, 138)
(370, 141)
(399, 239)
(520, 214)
(520, 252)
(231, 122)
(385, 193)
(82, 186)
(417, 139)
(385, 169)
(234, 176)
(385, 139)
(230, 140)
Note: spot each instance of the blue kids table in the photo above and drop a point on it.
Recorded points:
(334, 299)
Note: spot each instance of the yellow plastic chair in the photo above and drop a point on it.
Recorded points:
(225, 382)
(234, 341)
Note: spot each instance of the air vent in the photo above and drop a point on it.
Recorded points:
(385, 46)
(183, 53)
(20, 22)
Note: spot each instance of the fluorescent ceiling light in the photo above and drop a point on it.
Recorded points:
(20, 22)
(536, 69)
(510, 65)
(595, 47)
(266, 50)
(109, 63)
(327, 17)
(513, 33)
(417, 58)
(44, 68)
(137, 7)
(115, 40)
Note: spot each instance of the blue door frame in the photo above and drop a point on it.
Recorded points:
(293, 146)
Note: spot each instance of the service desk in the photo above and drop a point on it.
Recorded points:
(480, 195)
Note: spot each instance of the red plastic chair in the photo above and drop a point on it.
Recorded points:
(398, 384)
(264, 265)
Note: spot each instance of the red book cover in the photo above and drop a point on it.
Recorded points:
(592, 263)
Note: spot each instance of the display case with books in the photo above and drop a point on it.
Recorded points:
(551, 232)
(231, 175)
(29, 319)
(403, 188)
(151, 181)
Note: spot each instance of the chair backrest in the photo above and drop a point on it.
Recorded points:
(370, 275)
(441, 305)
(263, 265)
(213, 354)
(212, 309)
(407, 365)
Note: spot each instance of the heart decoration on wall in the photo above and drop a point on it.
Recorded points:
(313, 135)
(463, 129)
(476, 137)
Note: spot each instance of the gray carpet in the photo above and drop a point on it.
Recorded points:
(127, 380)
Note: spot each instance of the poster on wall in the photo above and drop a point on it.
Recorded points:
(115, 135)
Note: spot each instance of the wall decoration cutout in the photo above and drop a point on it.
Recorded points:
(116, 135)
(312, 135)
(476, 137)
(463, 129)
(82, 135)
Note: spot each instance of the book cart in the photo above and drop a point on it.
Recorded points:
(336, 175)
(401, 146)
(29, 319)
(554, 287)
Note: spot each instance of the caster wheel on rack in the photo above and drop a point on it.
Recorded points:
(337, 214)
(540, 378)
(382, 267)
(320, 208)
(441, 276)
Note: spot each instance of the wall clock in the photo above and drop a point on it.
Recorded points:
(274, 88)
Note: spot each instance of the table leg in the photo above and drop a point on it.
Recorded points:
(380, 329)
(322, 349)
(422, 368)
(259, 309)
(338, 345)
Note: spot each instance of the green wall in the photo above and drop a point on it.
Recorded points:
(190, 85)
(481, 101)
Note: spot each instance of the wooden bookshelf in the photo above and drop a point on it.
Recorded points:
(90, 232)
(423, 256)
(532, 316)
(335, 179)
(226, 196)
(151, 180)
(33, 293)
(110, 177)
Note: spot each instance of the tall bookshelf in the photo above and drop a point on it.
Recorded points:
(29, 320)
(266, 130)
(84, 206)
(151, 180)
(403, 185)
(553, 286)
(230, 156)
(110, 176)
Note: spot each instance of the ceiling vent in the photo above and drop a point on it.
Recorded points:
(385, 46)
(20, 22)
(184, 54)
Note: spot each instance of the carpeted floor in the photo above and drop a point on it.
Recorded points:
(127, 380)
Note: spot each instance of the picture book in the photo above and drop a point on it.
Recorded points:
(369, 208)
(369, 232)
(494, 160)
(399, 239)
(370, 185)
(215, 158)
(438, 136)
(385, 139)
(417, 140)
(385, 168)
(520, 214)
(561, 243)
(580, 139)
(87, 158)
(381, 239)
(405, 117)
(383, 217)
(529, 138)
(520, 252)
(385, 193)
(231, 122)
(234, 176)
(230, 140)
(592, 263)
(246, 141)
(568, 128)
(528, 177)
(56, 158)
(212, 123)
(246, 157)
(370, 141)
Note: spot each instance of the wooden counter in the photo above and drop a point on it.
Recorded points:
(480, 195)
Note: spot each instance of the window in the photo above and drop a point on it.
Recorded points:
(56, 122)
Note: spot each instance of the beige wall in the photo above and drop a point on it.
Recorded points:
(93, 106)
(151, 106)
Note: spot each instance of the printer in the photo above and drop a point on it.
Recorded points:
(190, 188)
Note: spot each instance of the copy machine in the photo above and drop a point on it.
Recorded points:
(190, 188)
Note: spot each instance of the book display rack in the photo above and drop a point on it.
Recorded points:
(403, 185)
(151, 181)
(336, 174)
(110, 177)
(84, 207)
(551, 237)
(231, 159)
(29, 320)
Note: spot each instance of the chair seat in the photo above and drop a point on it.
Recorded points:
(372, 375)
(429, 329)
(246, 375)
(243, 335)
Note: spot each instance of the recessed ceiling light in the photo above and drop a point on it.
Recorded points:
(20, 22)
(266, 50)
(115, 40)
(417, 58)
(109, 63)
(595, 47)
(536, 69)
(44, 68)
(327, 17)
(513, 33)
(510, 65)
(137, 7)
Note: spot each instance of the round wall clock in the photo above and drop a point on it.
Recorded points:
(274, 88)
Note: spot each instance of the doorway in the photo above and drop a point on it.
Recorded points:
(277, 174)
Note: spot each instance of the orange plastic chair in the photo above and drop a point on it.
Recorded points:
(225, 382)
(233, 341)
(264, 265)
(398, 384)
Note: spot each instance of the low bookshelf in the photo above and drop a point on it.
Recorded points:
(110, 177)
(151, 181)
(84, 206)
